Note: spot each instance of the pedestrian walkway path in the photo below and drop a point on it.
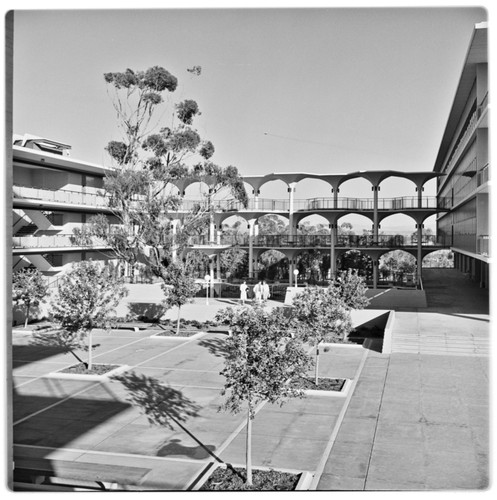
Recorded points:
(433, 333)
(415, 419)
(419, 417)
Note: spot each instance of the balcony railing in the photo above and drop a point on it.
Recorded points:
(314, 204)
(60, 196)
(462, 141)
(320, 240)
(52, 242)
(483, 245)
(482, 175)
(231, 205)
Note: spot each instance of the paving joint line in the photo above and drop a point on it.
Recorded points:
(331, 441)
(376, 423)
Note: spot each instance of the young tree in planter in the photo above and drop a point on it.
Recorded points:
(260, 361)
(29, 287)
(87, 298)
(179, 287)
(321, 316)
(351, 289)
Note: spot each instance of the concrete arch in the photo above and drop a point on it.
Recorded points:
(445, 250)
(272, 268)
(409, 252)
(194, 188)
(300, 219)
(235, 215)
(353, 215)
(391, 184)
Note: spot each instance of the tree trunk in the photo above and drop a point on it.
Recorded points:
(316, 381)
(248, 448)
(27, 314)
(90, 362)
(179, 320)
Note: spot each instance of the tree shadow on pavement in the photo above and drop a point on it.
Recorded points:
(215, 346)
(175, 448)
(167, 407)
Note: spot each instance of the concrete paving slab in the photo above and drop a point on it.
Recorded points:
(333, 482)
(415, 421)
(405, 462)
(353, 462)
(356, 431)
(289, 425)
(277, 451)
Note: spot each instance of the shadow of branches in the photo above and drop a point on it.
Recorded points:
(146, 311)
(161, 404)
(164, 406)
(215, 346)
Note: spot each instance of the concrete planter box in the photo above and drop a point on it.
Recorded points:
(82, 376)
(333, 394)
(303, 484)
(183, 337)
(328, 345)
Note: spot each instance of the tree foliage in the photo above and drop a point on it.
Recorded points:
(261, 360)
(153, 163)
(351, 289)
(320, 315)
(29, 286)
(86, 299)
(179, 287)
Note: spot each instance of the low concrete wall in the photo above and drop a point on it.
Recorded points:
(389, 298)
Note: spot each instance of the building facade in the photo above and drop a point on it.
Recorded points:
(54, 194)
(463, 159)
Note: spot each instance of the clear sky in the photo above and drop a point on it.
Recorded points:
(313, 90)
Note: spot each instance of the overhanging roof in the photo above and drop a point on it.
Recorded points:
(38, 158)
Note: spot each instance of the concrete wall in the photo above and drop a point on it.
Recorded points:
(390, 298)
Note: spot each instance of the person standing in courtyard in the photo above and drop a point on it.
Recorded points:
(243, 292)
(265, 292)
(258, 292)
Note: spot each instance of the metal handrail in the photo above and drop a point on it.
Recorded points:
(232, 205)
(319, 240)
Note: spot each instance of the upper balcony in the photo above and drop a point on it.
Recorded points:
(317, 204)
(58, 198)
(22, 245)
(321, 241)
(77, 200)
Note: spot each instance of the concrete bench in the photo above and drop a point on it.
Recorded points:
(105, 476)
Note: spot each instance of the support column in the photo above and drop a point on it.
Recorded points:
(218, 236)
(375, 214)
(218, 267)
(419, 260)
(212, 231)
(375, 274)
(420, 190)
(290, 271)
(251, 248)
(256, 193)
(335, 197)
(333, 263)
(211, 272)
(291, 194)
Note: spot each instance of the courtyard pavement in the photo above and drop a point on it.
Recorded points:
(415, 419)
